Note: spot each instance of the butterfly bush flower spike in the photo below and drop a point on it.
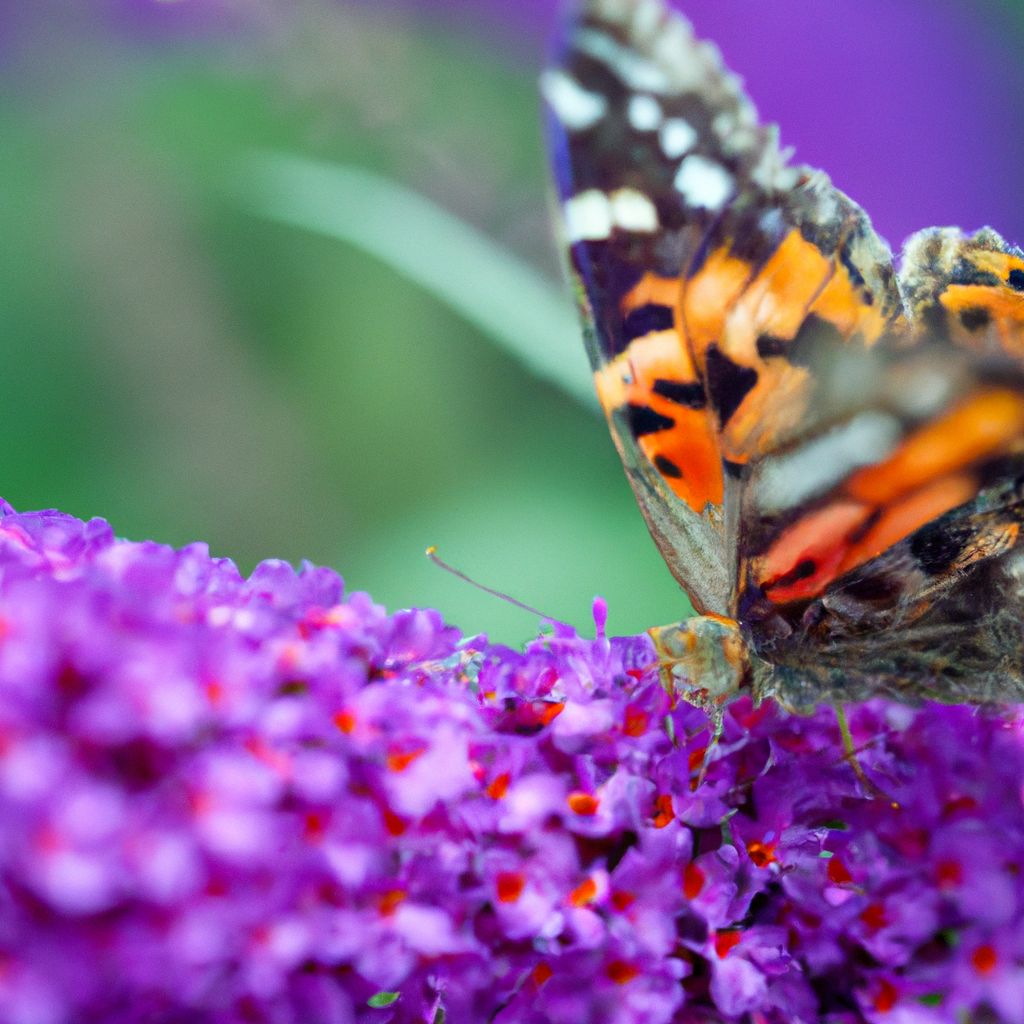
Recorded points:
(264, 799)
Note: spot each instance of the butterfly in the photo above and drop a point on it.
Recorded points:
(828, 450)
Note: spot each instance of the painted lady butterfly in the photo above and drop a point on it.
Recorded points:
(829, 453)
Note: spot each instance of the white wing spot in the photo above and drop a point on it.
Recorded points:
(787, 178)
(675, 50)
(820, 464)
(592, 215)
(724, 124)
(677, 137)
(768, 171)
(633, 211)
(576, 107)
(588, 217)
(704, 183)
(644, 113)
(742, 139)
(629, 66)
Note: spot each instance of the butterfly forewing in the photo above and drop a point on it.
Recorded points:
(693, 243)
(626, 114)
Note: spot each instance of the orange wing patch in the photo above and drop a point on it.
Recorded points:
(987, 424)
(976, 280)
(879, 506)
(842, 304)
(908, 514)
(979, 310)
(652, 385)
(808, 555)
(832, 541)
(739, 324)
(709, 294)
(706, 339)
(776, 301)
(652, 290)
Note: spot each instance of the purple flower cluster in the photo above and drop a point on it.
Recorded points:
(258, 800)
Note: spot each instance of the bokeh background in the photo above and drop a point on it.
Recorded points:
(182, 364)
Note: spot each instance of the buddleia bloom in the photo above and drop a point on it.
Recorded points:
(263, 799)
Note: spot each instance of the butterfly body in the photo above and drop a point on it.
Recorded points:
(828, 452)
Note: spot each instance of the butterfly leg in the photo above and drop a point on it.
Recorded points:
(858, 769)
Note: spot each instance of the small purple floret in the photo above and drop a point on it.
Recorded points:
(263, 800)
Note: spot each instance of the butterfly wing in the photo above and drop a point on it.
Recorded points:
(882, 555)
(820, 449)
(698, 256)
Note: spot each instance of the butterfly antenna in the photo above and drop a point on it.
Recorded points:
(442, 564)
(858, 769)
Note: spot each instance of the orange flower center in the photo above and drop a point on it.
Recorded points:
(664, 811)
(838, 872)
(874, 917)
(984, 959)
(885, 997)
(762, 854)
(693, 881)
(949, 873)
(583, 893)
(636, 722)
(584, 804)
(725, 941)
(621, 971)
(510, 886)
(498, 787)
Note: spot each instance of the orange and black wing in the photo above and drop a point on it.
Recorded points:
(701, 260)
(882, 554)
(829, 453)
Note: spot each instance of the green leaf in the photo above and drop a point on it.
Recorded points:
(835, 824)
(379, 999)
(512, 304)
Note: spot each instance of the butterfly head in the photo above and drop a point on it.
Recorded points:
(703, 660)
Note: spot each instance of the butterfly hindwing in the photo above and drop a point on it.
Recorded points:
(902, 574)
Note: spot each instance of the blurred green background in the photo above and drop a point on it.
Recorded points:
(186, 368)
(189, 370)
